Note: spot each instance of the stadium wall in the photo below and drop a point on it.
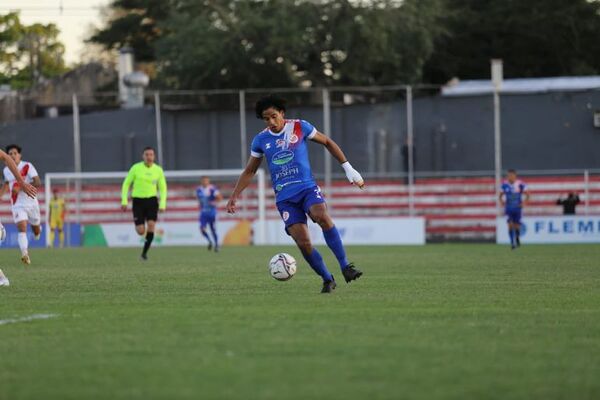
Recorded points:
(539, 131)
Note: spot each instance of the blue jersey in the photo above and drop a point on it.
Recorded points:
(207, 196)
(287, 155)
(513, 194)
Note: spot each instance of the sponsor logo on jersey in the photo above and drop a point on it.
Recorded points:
(282, 157)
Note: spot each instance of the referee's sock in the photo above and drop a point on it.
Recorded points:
(148, 242)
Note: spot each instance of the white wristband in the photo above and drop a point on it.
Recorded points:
(347, 167)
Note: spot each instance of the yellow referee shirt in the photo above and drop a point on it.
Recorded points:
(145, 182)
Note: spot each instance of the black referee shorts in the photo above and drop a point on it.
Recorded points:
(144, 209)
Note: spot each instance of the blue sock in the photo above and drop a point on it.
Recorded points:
(205, 234)
(334, 241)
(316, 262)
(511, 234)
(213, 229)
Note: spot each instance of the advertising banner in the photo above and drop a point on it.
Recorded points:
(353, 231)
(562, 229)
(359, 231)
(72, 236)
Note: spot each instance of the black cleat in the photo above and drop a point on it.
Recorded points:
(144, 257)
(216, 249)
(518, 241)
(328, 286)
(209, 246)
(351, 273)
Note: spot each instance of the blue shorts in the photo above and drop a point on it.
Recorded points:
(514, 215)
(206, 219)
(294, 210)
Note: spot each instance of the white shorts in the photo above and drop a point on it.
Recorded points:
(29, 214)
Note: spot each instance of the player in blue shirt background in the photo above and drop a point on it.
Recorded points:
(284, 145)
(208, 196)
(511, 197)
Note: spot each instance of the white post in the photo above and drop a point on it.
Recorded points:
(159, 141)
(262, 226)
(327, 155)
(586, 189)
(77, 154)
(76, 136)
(497, 82)
(243, 143)
(47, 194)
(411, 156)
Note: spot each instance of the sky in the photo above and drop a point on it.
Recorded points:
(75, 21)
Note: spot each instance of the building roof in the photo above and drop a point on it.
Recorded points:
(523, 85)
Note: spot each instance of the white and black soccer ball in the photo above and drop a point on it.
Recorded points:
(282, 266)
(2, 233)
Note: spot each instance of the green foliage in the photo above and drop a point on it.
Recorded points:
(267, 43)
(28, 53)
(534, 38)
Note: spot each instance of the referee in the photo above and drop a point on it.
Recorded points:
(146, 177)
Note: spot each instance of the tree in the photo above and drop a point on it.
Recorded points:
(269, 43)
(28, 53)
(135, 24)
(534, 37)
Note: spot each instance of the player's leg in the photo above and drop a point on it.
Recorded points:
(139, 217)
(517, 224)
(204, 231)
(61, 234)
(51, 232)
(299, 232)
(511, 231)
(151, 217)
(213, 230)
(35, 221)
(22, 239)
(317, 209)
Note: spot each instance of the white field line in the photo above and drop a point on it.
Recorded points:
(27, 318)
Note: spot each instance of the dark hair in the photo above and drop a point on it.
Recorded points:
(512, 171)
(267, 102)
(13, 146)
(148, 148)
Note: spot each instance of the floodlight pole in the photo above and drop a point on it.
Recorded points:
(243, 143)
(327, 129)
(77, 155)
(497, 83)
(410, 148)
(159, 141)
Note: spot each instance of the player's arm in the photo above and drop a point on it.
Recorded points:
(162, 190)
(243, 182)
(125, 188)
(36, 181)
(501, 199)
(64, 211)
(526, 198)
(337, 153)
(27, 188)
(4, 189)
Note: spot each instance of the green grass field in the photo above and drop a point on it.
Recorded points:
(433, 322)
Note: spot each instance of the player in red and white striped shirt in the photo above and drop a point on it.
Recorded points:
(25, 209)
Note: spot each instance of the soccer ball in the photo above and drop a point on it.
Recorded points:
(282, 266)
(2, 233)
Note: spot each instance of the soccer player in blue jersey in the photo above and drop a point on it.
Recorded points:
(513, 196)
(284, 145)
(208, 196)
